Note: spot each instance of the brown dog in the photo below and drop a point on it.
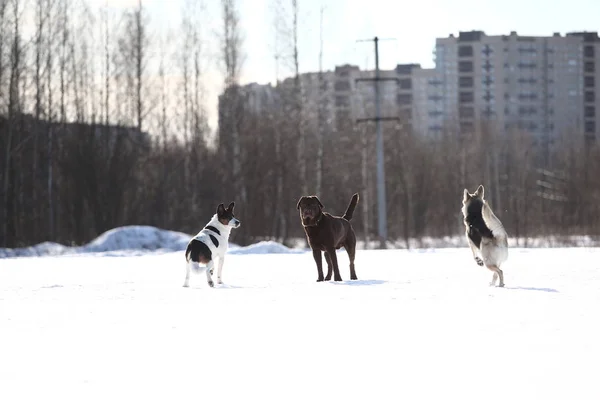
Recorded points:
(328, 233)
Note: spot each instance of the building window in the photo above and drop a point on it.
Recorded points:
(528, 80)
(526, 50)
(590, 126)
(590, 112)
(527, 96)
(465, 66)
(342, 101)
(524, 65)
(487, 50)
(588, 51)
(466, 97)
(466, 126)
(590, 97)
(589, 67)
(465, 81)
(404, 99)
(342, 85)
(405, 83)
(466, 112)
(465, 51)
(523, 111)
(588, 82)
(488, 112)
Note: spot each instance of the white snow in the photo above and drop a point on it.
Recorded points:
(137, 240)
(143, 240)
(417, 325)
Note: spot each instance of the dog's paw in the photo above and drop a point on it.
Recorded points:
(211, 284)
(219, 282)
(186, 285)
(319, 279)
(479, 261)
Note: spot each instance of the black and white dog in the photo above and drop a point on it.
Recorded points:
(210, 243)
(485, 233)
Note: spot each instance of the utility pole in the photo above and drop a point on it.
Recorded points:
(381, 198)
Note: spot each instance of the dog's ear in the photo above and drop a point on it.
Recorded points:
(479, 191)
(221, 209)
(299, 201)
(466, 196)
(319, 201)
(230, 206)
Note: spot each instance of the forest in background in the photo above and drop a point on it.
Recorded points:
(103, 123)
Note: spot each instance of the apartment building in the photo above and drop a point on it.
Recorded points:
(544, 85)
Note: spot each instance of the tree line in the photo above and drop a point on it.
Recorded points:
(103, 123)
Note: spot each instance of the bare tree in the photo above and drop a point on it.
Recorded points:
(3, 36)
(322, 111)
(14, 111)
(232, 59)
(106, 40)
(140, 45)
(298, 96)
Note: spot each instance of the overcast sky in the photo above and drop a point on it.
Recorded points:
(414, 24)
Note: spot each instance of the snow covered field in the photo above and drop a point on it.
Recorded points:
(417, 325)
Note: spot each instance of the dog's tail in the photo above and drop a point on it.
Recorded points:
(350, 210)
(188, 251)
(493, 223)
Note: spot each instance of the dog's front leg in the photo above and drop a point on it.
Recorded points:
(219, 270)
(329, 267)
(336, 270)
(319, 261)
(475, 251)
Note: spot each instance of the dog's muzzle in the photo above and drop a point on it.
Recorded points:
(311, 221)
(308, 222)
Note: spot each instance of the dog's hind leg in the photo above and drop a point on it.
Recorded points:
(494, 278)
(219, 269)
(350, 247)
(497, 274)
(329, 267)
(351, 254)
(209, 268)
(186, 283)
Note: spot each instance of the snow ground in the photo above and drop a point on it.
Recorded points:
(417, 325)
(142, 239)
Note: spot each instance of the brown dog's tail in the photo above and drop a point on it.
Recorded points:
(350, 210)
